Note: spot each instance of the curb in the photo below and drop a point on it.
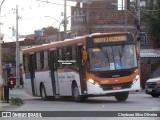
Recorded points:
(138, 92)
(3, 103)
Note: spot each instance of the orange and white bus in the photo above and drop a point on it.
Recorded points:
(100, 64)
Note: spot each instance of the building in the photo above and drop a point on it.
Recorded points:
(101, 16)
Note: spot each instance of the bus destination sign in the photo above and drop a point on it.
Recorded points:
(110, 39)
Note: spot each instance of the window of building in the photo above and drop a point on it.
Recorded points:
(121, 4)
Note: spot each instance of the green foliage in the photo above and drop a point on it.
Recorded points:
(50, 30)
(16, 101)
(151, 19)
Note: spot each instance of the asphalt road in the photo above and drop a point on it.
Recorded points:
(138, 101)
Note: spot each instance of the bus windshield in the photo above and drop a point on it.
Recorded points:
(112, 58)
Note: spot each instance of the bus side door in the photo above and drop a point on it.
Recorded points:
(81, 70)
(32, 72)
(53, 71)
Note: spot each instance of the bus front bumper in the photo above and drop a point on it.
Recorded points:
(98, 90)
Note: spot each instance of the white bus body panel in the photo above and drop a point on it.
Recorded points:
(65, 82)
(45, 78)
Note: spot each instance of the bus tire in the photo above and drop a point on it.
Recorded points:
(43, 92)
(122, 96)
(75, 94)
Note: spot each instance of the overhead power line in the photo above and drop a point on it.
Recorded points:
(151, 13)
(52, 3)
(158, 10)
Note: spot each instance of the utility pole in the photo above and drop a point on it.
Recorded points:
(126, 15)
(64, 20)
(1, 36)
(138, 19)
(17, 51)
(138, 13)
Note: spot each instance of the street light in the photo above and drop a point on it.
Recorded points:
(53, 18)
(64, 22)
(59, 26)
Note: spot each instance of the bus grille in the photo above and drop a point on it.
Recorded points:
(122, 85)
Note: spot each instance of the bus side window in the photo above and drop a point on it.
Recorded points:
(35, 62)
(74, 55)
(52, 59)
(42, 59)
(59, 57)
(64, 52)
(67, 55)
(46, 60)
(38, 60)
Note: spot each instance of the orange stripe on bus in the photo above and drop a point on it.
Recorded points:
(112, 80)
(63, 70)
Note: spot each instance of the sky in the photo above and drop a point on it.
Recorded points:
(31, 16)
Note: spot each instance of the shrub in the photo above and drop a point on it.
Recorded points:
(16, 101)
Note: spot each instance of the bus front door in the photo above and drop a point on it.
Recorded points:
(32, 72)
(81, 70)
(53, 72)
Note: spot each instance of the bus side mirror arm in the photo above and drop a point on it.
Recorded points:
(84, 55)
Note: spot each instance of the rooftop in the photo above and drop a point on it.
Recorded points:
(150, 53)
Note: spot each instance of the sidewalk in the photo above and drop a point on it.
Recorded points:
(141, 91)
(3, 103)
(19, 92)
(12, 93)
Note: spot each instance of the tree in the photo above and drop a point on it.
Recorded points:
(151, 19)
(50, 30)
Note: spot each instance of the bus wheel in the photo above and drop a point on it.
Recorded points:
(122, 96)
(75, 93)
(43, 92)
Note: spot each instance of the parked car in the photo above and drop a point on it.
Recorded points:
(152, 87)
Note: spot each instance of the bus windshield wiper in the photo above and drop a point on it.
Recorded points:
(104, 53)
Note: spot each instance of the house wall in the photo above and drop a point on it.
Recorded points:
(150, 67)
(103, 16)
(145, 73)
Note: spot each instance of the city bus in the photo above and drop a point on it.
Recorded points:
(99, 64)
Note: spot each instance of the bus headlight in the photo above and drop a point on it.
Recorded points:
(135, 79)
(94, 82)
